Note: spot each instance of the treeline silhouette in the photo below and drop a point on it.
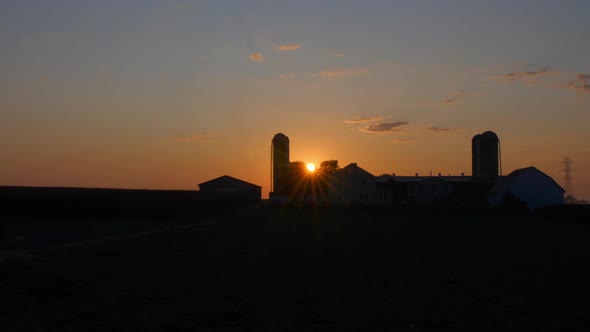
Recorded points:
(52, 202)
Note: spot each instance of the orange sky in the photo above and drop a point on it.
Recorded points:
(168, 94)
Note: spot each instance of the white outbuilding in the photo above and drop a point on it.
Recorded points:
(529, 185)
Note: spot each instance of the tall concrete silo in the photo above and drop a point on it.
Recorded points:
(279, 158)
(485, 155)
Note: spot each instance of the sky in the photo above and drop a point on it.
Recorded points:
(169, 94)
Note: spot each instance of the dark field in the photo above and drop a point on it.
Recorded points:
(262, 269)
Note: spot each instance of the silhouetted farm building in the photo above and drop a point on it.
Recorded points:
(355, 185)
(352, 185)
(227, 187)
(440, 191)
(219, 194)
(417, 190)
(529, 186)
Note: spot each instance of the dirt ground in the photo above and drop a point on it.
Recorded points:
(306, 270)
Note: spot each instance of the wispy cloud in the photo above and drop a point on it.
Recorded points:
(439, 129)
(451, 100)
(288, 47)
(385, 127)
(190, 138)
(362, 119)
(258, 57)
(581, 83)
(454, 98)
(333, 73)
(544, 76)
(527, 74)
(531, 77)
(339, 55)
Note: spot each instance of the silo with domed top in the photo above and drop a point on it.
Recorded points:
(485, 154)
(279, 159)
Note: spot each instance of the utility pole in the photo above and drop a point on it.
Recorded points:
(567, 177)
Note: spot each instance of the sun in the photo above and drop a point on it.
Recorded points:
(310, 167)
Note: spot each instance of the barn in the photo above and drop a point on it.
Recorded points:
(528, 185)
(230, 187)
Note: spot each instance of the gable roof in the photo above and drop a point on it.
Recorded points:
(508, 180)
(354, 166)
(230, 180)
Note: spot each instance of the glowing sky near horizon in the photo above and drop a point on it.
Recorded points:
(168, 94)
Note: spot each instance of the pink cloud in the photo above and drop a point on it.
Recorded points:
(288, 47)
(258, 57)
(581, 83)
(384, 127)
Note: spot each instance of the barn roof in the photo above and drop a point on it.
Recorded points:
(352, 166)
(230, 180)
(508, 180)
